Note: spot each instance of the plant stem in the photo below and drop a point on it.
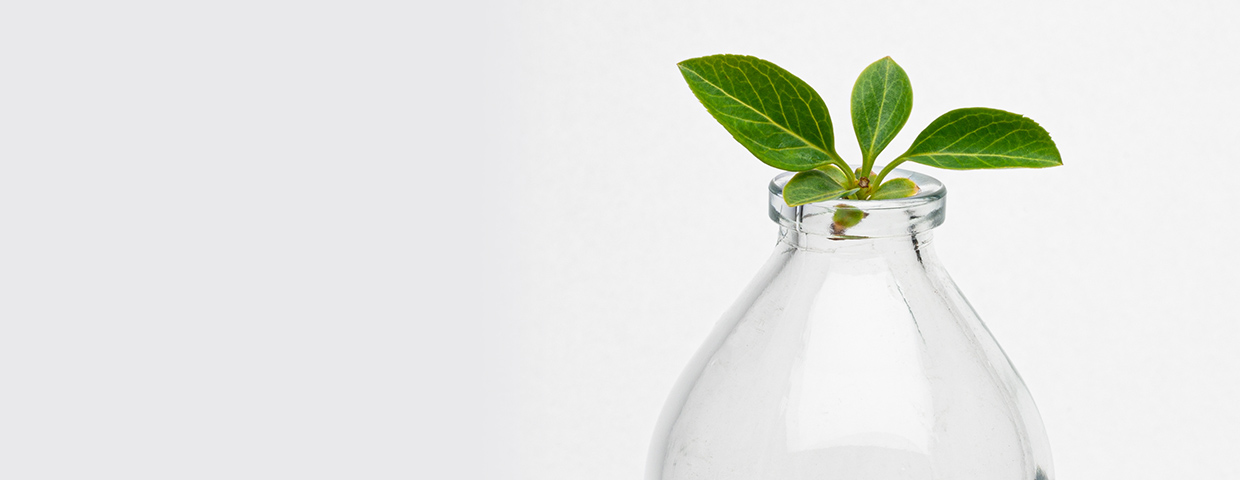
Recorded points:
(887, 169)
(848, 173)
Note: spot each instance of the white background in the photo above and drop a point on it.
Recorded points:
(480, 240)
(1109, 281)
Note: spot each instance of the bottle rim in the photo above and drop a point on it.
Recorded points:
(931, 190)
(876, 218)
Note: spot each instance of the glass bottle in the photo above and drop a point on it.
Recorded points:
(851, 356)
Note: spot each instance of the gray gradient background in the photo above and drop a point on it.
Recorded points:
(480, 240)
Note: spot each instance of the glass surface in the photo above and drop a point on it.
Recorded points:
(851, 356)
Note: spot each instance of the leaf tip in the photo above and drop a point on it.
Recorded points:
(887, 59)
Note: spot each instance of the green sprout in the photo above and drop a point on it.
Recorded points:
(785, 123)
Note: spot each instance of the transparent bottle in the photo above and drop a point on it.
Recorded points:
(851, 356)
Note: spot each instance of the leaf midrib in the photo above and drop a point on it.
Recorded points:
(944, 151)
(879, 120)
(953, 154)
(760, 113)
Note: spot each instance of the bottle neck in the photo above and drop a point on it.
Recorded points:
(916, 246)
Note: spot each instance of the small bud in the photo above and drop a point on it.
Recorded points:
(846, 217)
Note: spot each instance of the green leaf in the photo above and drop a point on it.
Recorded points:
(882, 99)
(778, 117)
(895, 188)
(835, 173)
(846, 217)
(971, 138)
(813, 186)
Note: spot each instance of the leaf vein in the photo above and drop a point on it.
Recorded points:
(772, 122)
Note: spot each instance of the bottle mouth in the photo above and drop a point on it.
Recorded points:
(855, 219)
